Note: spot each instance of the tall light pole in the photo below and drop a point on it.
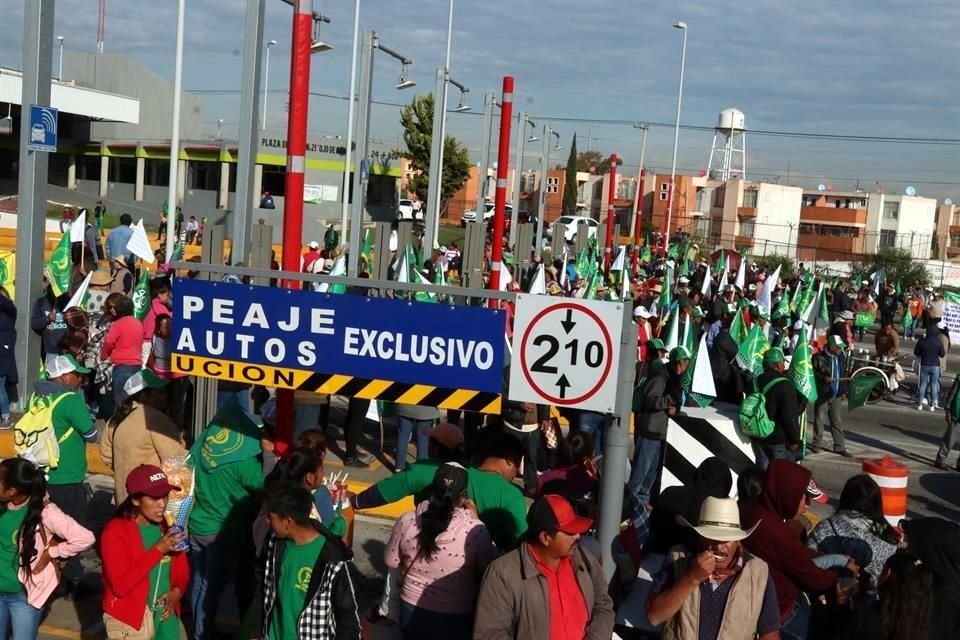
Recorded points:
(348, 158)
(60, 65)
(266, 84)
(439, 109)
(544, 170)
(676, 136)
(638, 196)
(175, 133)
(489, 101)
(371, 43)
(523, 120)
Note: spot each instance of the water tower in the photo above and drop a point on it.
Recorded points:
(728, 157)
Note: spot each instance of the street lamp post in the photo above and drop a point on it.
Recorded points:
(266, 84)
(348, 158)
(523, 121)
(175, 134)
(371, 43)
(544, 169)
(60, 65)
(676, 136)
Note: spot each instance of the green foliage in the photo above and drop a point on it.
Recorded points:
(898, 264)
(593, 162)
(570, 183)
(772, 261)
(417, 121)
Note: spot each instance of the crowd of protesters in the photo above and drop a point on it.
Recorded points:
(501, 543)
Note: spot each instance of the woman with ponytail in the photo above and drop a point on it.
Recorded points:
(441, 551)
(35, 536)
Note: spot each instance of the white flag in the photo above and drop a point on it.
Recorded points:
(702, 373)
(80, 293)
(742, 274)
(673, 336)
(564, 276)
(339, 268)
(403, 274)
(505, 277)
(620, 261)
(723, 282)
(538, 286)
(139, 244)
(625, 291)
(766, 293)
(707, 285)
(78, 226)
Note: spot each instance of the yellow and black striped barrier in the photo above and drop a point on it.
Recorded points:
(340, 385)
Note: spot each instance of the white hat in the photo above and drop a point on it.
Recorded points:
(641, 312)
(684, 279)
(313, 244)
(719, 521)
(57, 366)
(846, 315)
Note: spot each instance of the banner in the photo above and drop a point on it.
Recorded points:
(284, 337)
(860, 388)
(863, 319)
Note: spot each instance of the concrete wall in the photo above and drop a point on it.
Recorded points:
(119, 74)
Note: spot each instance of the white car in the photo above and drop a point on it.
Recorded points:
(407, 211)
(471, 215)
(571, 225)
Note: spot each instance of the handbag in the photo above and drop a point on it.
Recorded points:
(117, 630)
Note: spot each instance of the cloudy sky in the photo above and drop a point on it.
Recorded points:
(864, 68)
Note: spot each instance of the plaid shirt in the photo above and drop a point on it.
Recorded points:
(330, 612)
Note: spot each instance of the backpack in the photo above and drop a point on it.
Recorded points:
(752, 416)
(33, 435)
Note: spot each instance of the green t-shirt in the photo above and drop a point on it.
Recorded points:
(10, 522)
(168, 629)
(71, 412)
(293, 580)
(500, 504)
(223, 497)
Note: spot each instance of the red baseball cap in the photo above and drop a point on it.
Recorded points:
(553, 512)
(149, 480)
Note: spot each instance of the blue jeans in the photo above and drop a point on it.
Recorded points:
(122, 373)
(593, 423)
(407, 427)
(797, 625)
(643, 473)
(243, 397)
(16, 612)
(929, 375)
(4, 398)
(213, 560)
(417, 623)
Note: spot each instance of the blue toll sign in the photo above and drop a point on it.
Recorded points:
(374, 338)
(43, 128)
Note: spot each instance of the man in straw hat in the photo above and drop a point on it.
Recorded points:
(721, 591)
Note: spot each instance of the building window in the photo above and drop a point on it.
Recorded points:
(553, 185)
(663, 196)
(747, 229)
(891, 211)
(701, 227)
(955, 239)
(750, 198)
(718, 196)
(664, 186)
(888, 238)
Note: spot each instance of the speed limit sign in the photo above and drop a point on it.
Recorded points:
(565, 352)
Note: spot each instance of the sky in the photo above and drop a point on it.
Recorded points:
(871, 68)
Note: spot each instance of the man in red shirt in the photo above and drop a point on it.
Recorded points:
(311, 256)
(549, 588)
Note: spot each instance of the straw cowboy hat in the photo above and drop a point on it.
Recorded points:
(719, 521)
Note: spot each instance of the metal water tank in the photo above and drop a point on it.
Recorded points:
(731, 120)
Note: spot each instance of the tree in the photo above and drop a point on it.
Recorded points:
(772, 261)
(417, 121)
(570, 182)
(593, 162)
(898, 264)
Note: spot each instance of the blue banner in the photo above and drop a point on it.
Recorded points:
(452, 347)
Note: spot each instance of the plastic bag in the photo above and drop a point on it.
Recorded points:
(180, 502)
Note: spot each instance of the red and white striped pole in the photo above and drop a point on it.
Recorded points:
(500, 202)
(293, 184)
(611, 193)
(638, 224)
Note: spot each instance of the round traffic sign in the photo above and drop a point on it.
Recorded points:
(566, 353)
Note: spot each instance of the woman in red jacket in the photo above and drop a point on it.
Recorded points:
(144, 574)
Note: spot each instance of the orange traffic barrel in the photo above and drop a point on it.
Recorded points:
(892, 477)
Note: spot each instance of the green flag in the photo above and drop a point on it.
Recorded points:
(339, 268)
(783, 308)
(863, 319)
(801, 368)
(750, 354)
(591, 291)
(177, 252)
(423, 296)
(722, 262)
(366, 252)
(907, 319)
(646, 256)
(665, 298)
(738, 328)
(860, 388)
(823, 318)
(141, 296)
(583, 263)
(58, 269)
(797, 297)
(230, 437)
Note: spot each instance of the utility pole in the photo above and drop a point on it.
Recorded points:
(489, 100)
(32, 184)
